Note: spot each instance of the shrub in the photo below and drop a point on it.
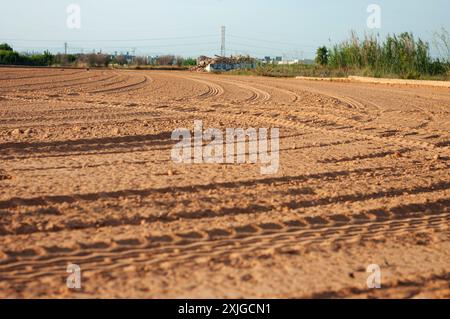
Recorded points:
(65, 59)
(94, 60)
(140, 61)
(45, 59)
(189, 62)
(120, 60)
(12, 57)
(322, 56)
(165, 60)
(9, 57)
(179, 60)
(5, 47)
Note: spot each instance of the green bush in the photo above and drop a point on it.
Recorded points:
(5, 47)
(45, 59)
(9, 57)
(322, 56)
(189, 62)
(65, 59)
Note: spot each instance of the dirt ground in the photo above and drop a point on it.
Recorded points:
(86, 178)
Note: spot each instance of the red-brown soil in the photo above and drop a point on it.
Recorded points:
(86, 177)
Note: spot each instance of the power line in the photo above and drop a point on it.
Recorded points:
(270, 41)
(269, 52)
(162, 39)
(255, 46)
(133, 44)
(212, 44)
(115, 40)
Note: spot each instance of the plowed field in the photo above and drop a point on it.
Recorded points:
(86, 178)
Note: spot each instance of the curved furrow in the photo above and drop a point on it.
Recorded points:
(89, 116)
(379, 111)
(39, 76)
(77, 83)
(258, 95)
(114, 79)
(213, 89)
(125, 88)
(50, 84)
(351, 102)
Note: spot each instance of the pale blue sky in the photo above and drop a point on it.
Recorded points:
(293, 28)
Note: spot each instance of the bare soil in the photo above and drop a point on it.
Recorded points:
(86, 177)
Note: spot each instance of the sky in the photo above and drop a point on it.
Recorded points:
(288, 28)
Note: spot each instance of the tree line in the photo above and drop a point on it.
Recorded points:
(10, 57)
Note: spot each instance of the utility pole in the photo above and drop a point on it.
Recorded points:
(222, 47)
(133, 58)
(65, 48)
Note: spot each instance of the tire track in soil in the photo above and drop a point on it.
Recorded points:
(328, 128)
(265, 96)
(224, 209)
(110, 81)
(332, 128)
(126, 88)
(213, 90)
(216, 244)
(379, 110)
(258, 95)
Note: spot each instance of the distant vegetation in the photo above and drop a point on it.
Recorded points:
(5, 47)
(10, 57)
(322, 56)
(398, 56)
(292, 70)
(189, 62)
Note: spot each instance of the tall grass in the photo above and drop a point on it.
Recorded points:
(442, 43)
(400, 55)
(396, 56)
